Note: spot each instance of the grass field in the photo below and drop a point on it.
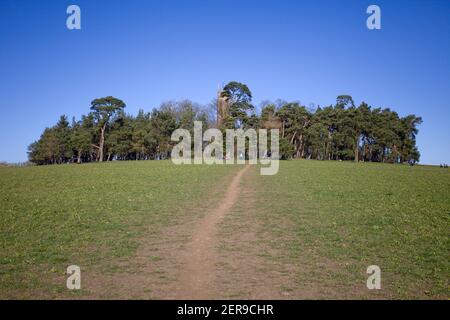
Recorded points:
(88, 215)
(331, 220)
(308, 232)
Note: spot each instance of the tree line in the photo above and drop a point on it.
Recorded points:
(342, 131)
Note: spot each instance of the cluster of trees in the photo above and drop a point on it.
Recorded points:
(337, 132)
(108, 133)
(346, 132)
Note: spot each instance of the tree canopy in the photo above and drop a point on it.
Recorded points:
(342, 131)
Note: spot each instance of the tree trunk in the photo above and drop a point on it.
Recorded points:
(102, 142)
(364, 150)
(357, 150)
(293, 137)
(79, 156)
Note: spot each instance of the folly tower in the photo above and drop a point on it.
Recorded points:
(223, 107)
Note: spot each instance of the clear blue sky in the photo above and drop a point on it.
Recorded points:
(147, 52)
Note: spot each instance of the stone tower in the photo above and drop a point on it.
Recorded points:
(222, 108)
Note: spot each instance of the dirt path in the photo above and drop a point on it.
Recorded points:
(231, 252)
(196, 280)
(251, 267)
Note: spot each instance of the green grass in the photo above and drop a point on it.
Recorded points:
(54, 216)
(337, 218)
(333, 219)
